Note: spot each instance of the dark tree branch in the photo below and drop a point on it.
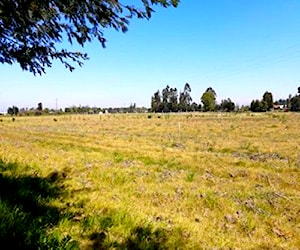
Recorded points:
(30, 29)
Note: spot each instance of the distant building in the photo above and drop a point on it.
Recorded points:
(279, 107)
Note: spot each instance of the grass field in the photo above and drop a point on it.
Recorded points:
(185, 181)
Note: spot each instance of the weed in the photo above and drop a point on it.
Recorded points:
(118, 157)
(226, 150)
(210, 199)
(190, 176)
(247, 224)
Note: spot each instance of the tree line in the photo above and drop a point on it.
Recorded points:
(170, 100)
(292, 103)
(85, 109)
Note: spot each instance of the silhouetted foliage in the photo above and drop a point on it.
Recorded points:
(166, 102)
(185, 98)
(268, 100)
(13, 110)
(281, 102)
(295, 102)
(40, 106)
(156, 102)
(266, 104)
(173, 100)
(31, 29)
(258, 106)
(195, 107)
(169, 101)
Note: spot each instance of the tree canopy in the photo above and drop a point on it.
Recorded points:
(209, 99)
(13, 110)
(185, 98)
(227, 105)
(30, 30)
(268, 100)
(169, 100)
(258, 106)
(266, 104)
(295, 102)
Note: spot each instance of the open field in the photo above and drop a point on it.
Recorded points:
(190, 181)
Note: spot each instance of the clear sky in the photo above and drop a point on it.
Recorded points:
(240, 48)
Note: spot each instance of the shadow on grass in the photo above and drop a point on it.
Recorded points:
(27, 218)
(139, 238)
(25, 214)
(143, 237)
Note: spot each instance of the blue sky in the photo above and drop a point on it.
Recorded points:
(241, 48)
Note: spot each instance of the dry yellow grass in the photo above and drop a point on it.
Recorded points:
(191, 181)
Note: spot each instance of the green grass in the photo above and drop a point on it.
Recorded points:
(26, 213)
(196, 181)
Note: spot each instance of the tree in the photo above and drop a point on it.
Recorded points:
(156, 103)
(209, 99)
(281, 102)
(169, 99)
(30, 30)
(173, 100)
(295, 102)
(185, 98)
(227, 105)
(13, 110)
(166, 102)
(195, 107)
(258, 106)
(40, 106)
(132, 108)
(289, 102)
(268, 100)
(165, 99)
